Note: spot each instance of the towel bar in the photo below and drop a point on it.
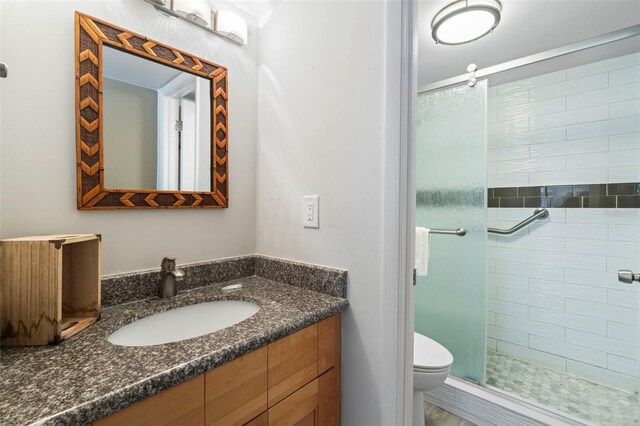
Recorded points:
(460, 232)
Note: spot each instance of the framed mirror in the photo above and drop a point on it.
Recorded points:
(151, 123)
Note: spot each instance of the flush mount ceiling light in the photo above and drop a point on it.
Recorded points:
(464, 21)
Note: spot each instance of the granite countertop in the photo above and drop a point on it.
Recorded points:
(86, 377)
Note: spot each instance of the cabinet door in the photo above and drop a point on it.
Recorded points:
(181, 405)
(298, 409)
(329, 398)
(329, 343)
(237, 391)
(293, 362)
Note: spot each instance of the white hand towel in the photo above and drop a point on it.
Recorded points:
(422, 251)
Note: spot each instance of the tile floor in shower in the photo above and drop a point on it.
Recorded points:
(587, 400)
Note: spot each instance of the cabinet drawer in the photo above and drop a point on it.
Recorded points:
(237, 391)
(181, 405)
(299, 409)
(293, 362)
(329, 343)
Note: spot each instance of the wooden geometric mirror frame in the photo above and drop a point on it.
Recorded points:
(91, 35)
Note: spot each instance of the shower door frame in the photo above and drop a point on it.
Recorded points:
(600, 40)
(405, 209)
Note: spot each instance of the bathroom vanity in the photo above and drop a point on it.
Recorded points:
(280, 366)
(294, 380)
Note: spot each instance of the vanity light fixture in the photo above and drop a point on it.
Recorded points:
(197, 11)
(231, 26)
(223, 23)
(464, 21)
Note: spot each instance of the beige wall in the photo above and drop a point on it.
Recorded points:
(38, 138)
(130, 135)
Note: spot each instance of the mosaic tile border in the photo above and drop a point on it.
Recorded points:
(604, 195)
(128, 287)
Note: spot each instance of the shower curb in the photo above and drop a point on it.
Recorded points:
(487, 407)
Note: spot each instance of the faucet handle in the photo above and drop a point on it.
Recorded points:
(168, 264)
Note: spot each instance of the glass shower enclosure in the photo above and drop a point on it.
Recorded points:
(540, 314)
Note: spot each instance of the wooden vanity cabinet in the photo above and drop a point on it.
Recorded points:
(236, 392)
(329, 398)
(329, 343)
(182, 404)
(292, 363)
(261, 420)
(300, 408)
(292, 381)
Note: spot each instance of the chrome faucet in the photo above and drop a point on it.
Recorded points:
(169, 277)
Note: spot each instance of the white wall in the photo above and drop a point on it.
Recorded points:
(554, 297)
(130, 135)
(38, 138)
(329, 76)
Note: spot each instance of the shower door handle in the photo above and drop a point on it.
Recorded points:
(628, 277)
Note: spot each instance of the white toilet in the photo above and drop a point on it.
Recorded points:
(431, 365)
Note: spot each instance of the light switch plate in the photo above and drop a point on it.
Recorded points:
(310, 211)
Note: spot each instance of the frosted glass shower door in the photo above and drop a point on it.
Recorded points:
(451, 301)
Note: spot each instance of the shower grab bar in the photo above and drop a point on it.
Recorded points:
(538, 213)
(460, 232)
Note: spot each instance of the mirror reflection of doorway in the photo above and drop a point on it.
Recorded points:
(157, 125)
(187, 143)
(183, 134)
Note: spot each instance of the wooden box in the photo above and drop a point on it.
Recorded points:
(49, 287)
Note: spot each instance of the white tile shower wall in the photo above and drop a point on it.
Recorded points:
(575, 126)
(555, 300)
(554, 297)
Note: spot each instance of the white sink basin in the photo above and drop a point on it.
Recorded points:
(183, 323)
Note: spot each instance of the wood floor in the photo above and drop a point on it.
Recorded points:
(435, 416)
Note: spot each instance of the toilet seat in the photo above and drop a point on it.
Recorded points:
(429, 356)
(417, 369)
